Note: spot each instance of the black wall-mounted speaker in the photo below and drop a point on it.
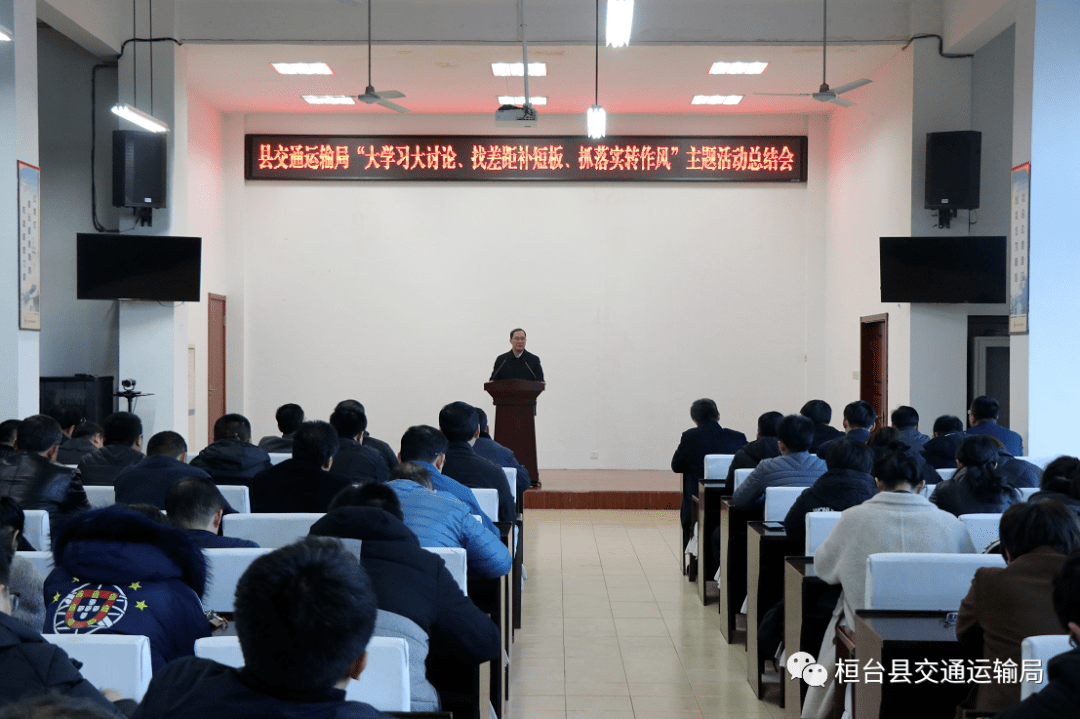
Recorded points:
(139, 168)
(953, 162)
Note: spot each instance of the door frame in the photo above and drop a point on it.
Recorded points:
(865, 363)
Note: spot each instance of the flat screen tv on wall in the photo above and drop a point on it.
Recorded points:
(138, 267)
(944, 269)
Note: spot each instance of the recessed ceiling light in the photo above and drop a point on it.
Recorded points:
(516, 69)
(520, 100)
(329, 99)
(716, 100)
(738, 68)
(302, 68)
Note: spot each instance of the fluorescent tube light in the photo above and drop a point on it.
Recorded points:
(516, 69)
(535, 100)
(302, 68)
(329, 99)
(620, 17)
(716, 100)
(140, 118)
(738, 68)
(596, 122)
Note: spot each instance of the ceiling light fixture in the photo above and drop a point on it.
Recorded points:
(520, 100)
(620, 17)
(738, 68)
(596, 118)
(131, 112)
(517, 69)
(329, 99)
(716, 100)
(302, 68)
(135, 115)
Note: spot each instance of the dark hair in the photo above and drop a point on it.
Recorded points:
(860, 414)
(122, 428)
(369, 494)
(289, 417)
(304, 613)
(167, 444)
(37, 433)
(351, 404)
(1067, 591)
(7, 430)
(796, 432)
(983, 408)
(12, 519)
(66, 416)
(883, 436)
(232, 426)
(818, 411)
(904, 417)
(56, 706)
(315, 442)
(1063, 476)
(978, 453)
(413, 471)
(482, 420)
(848, 454)
(517, 329)
(898, 466)
(348, 422)
(191, 502)
(458, 421)
(704, 410)
(6, 556)
(422, 443)
(768, 423)
(1026, 525)
(948, 423)
(87, 429)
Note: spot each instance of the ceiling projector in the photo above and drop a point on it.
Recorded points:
(514, 116)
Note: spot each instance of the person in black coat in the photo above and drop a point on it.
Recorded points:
(232, 458)
(368, 441)
(8, 428)
(492, 451)
(289, 418)
(301, 484)
(1060, 482)
(353, 460)
(977, 487)
(1019, 472)
(147, 481)
(847, 482)
(859, 419)
(518, 363)
(86, 438)
(706, 437)
(195, 505)
(819, 412)
(940, 450)
(885, 440)
(461, 425)
(123, 447)
(766, 446)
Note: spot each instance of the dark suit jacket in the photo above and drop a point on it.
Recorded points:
(382, 448)
(230, 461)
(100, 467)
(709, 438)
(359, 463)
(856, 435)
(940, 451)
(147, 481)
(295, 485)
(1014, 443)
(472, 470)
(492, 451)
(822, 434)
(751, 455)
(277, 445)
(527, 366)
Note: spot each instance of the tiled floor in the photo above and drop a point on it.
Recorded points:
(612, 630)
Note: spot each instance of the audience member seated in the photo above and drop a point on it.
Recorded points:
(301, 484)
(195, 505)
(86, 438)
(906, 421)
(147, 481)
(426, 446)
(492, 451)
(896, 519)
(25, 581)
(796, 467)
(125, 570)
(67, 417)
(1019, 472)
(859, 419)
(1060, 482)
(705, 437)
(983, 417)
(377, 444)
(123, 447)
(417, 597)
(846, 483)
(289, 418)
(297, 661)
(461, 425)
(1005, 606)
(819, 412)
(232, 458)
(354, 461)
(33, 479)
(764, 446)
(887, 439)
(30, 666)
(940, 450)
(439, 520)
(977, 487)
(8, 428)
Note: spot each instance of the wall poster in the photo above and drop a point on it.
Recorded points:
(29, 247)
(1019, 249)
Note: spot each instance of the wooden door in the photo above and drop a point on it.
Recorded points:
(215, 363)
(874, 365)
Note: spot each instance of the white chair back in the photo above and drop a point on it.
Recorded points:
(818, 526)
(1026, 492)
(225, 567)
(238, 496)
(511, 479)
(778, 501)
(36, 529)
(455, 563)
(922, 582)
(740, 477)
(110, 661)
(946, 473)
(42, 561)
(983, 529)
(279, 457)
(100, 496)
(717, 465)
(1041, 461)
(1039, 650)
(268, 529)
(488, 499)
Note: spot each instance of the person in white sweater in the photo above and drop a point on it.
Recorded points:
(896, 519)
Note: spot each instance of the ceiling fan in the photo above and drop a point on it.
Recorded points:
(825, 93)
(370, 96)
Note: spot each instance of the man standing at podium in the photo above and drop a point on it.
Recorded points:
(518, 363)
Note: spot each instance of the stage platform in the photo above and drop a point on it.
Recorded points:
(606, 489)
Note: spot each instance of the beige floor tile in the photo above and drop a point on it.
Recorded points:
(678, 703)
(537, 714)
(643, 689)
(525, 703)
(640, 627)
(535, 687)
(637, 610)
(599, 714)
(597, 689)
(598, 703)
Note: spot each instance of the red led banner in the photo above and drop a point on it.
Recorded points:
(559, 159)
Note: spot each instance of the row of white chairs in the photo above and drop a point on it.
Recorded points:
(237, 495)
(717, 465)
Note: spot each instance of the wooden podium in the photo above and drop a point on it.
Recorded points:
(515, 419)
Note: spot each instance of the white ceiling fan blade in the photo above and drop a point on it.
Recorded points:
(369, 98)
(851, 86)
(394, 106)
(842, 102)
(389, 94)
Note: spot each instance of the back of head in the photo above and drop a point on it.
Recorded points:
(315, 442)
(1027, 525)
(12, 519)
(414, 472)
(191, 502)
(984, 408)
(37, 433)
(979, 455)
(848, 454)
(289, 417)
(5, 565)
(1062, 475)
(88, 430)
(883, 437)
(8, 428)
(351, 404)
(904, 417)
(947, 423)
(818, 411)
(166, 444)
(482, 420)
(1067, 592)
(122, 428)
(348, 422)
(232, 426)
(704, 410)
(860, 414)
(422, 443)
(796, 432)
(369, 494)
(458, 421)
(896, 467)
(769, 423)
(304, 613)
(55, 706)
(67, 417)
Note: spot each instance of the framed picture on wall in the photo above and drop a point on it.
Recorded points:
(29, 192)
(1019, 249)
